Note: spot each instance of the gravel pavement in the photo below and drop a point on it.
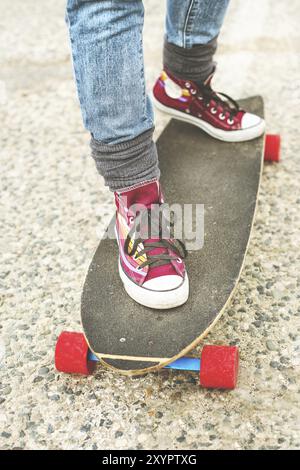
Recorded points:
(54, 207)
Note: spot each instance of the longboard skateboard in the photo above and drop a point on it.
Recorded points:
(132, 339)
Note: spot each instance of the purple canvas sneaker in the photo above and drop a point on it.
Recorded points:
(151, 266)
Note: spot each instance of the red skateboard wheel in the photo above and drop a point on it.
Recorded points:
(272, 148)
(219, 367)
(71, 354)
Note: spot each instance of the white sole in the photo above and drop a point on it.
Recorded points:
(155, 299)
(240, 135)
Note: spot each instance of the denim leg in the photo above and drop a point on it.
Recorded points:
(107, 51)
(191, 22)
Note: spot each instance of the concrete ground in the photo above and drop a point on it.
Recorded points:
(54, 207)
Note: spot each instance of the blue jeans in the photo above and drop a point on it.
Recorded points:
(107, 50)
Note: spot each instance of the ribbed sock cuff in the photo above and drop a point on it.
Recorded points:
(194, 63)
(127, 164)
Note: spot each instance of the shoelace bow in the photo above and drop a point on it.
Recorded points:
(160, 223)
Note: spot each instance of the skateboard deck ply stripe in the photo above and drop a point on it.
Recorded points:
(195, 169)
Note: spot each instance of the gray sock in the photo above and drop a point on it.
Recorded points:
(194, 63)
(128, 163)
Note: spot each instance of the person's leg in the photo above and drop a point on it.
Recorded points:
(192, 28)
(107, 50)
(184, 88)
(106, 40)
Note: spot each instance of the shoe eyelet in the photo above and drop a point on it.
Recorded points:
(179, 260)
(221, 116)
(200, 98)
(193, 91)
(230, 121)
(131, 219)
(213, 111)
(199, 115)
(188, 110)
(188, 85)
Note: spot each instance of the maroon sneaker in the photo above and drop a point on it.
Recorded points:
(215, 113)
(151, 264)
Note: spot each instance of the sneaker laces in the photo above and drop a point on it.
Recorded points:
(228, 105)
(157, 225)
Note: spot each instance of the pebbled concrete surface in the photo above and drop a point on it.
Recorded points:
(54, 208)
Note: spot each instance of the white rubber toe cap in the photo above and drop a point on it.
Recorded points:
(251, 120)
(163, 283)
(161, 292)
